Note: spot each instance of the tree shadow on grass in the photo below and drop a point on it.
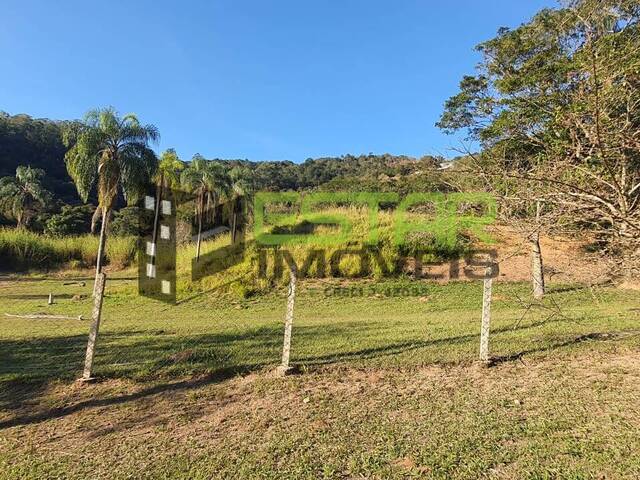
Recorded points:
(417, 344)
(58, 412)
(551, 289)
(595, 336)
(215, 354)
(28, 365)
(30, 379)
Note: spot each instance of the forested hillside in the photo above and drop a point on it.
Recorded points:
(37, 142)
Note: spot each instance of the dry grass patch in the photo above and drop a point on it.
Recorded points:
(558, 417)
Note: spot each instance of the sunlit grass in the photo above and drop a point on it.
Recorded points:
(26, 250)
(391, 323)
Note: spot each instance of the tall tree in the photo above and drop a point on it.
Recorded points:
(112, 152)
(169, 168)
(242, 187)
(209, 181)
(22, 196)
(556, 108)
(167, 177)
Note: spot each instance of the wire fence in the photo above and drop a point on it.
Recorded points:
(396, 322)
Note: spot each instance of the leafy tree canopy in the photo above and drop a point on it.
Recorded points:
(555, 105)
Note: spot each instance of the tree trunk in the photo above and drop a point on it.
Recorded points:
(215, 204)
(537, 270)
(19, 220)
(101, 247)
(199, 229)
(98, 294)
(234, 225)
(95, 326)
(103, 241)
(154, 237)
(234, 228)
(537, 273)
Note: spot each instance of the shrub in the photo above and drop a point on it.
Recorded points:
(72, 220)
(126, 222)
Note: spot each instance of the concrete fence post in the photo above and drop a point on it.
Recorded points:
(285, 367)
(486, 316)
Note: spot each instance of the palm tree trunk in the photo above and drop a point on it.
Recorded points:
(233, 227)
(154, 236)
(199, 228)
(103, 241)
(98, 293)
(20, 218)
(215, 204)
(234, 221)
(101, 250)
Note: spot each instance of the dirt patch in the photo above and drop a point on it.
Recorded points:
(565, 261)
(630, 285)
(227, 405)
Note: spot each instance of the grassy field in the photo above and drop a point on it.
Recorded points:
(388, 388)
(25, 250)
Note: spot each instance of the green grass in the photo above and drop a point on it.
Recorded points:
(388, 389)
(139, 337)
(24, 250)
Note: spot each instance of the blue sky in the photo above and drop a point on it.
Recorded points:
(257, 79)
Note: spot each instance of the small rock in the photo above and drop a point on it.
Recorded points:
(306, 400)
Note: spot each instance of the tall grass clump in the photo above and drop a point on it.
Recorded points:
(21, 248)
(121, 251)
(24, 250)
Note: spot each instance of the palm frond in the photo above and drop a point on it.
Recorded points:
(138, 164)
(169, 169)
(113, 152)
(21, 195)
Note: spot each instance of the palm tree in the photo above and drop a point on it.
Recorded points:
(112, 152)
(241, 188)
(169, 167)
(209, 181)
(167, 176)
(23, 195)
